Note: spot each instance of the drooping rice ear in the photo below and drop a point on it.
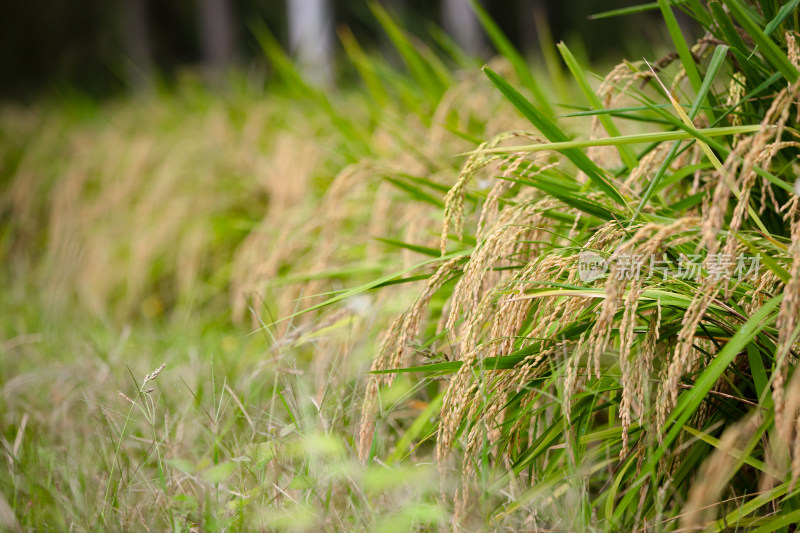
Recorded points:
(513, 222)
(453, 221)
(715, 475)
(787, 324)
(403, 329)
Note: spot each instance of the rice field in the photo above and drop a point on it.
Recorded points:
(452, 297)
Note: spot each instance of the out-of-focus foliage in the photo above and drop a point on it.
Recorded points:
(57, 47)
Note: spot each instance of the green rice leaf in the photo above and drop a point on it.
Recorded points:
(684, 52)
(771, 52)
(550, 130)
(787, 9)
(627, 155)
(507, 50)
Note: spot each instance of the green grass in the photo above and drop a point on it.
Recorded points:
(231, 435)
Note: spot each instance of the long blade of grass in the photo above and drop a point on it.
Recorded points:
(364, 67)
(725, 24)
(609, 111)
(641, 8)
(371, 285)
(428, 77)
(446, 43)
(551, 130)
(684, 52)
(710, 154)
(548, 50)
(507, 50)
(713, 68)
(415, 192)
(292, 78)
(654, 183)
(626, 154)
(765, 498)
(424, 250)
(740, 455)
(779, 522)
(706, 139)
(784, 12)
(771, 52)
(714, 65)
(611, 496)
(639, 138)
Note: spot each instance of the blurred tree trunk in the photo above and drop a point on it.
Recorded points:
(136, 41)
(397, 9)
(311, 38)
(461, 23)
(216, 32)
(532, 15)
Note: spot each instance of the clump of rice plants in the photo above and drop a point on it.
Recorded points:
(620, 320)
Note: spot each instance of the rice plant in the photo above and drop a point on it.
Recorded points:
(619, 317)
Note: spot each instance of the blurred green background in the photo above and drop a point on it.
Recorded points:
(103, 47)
